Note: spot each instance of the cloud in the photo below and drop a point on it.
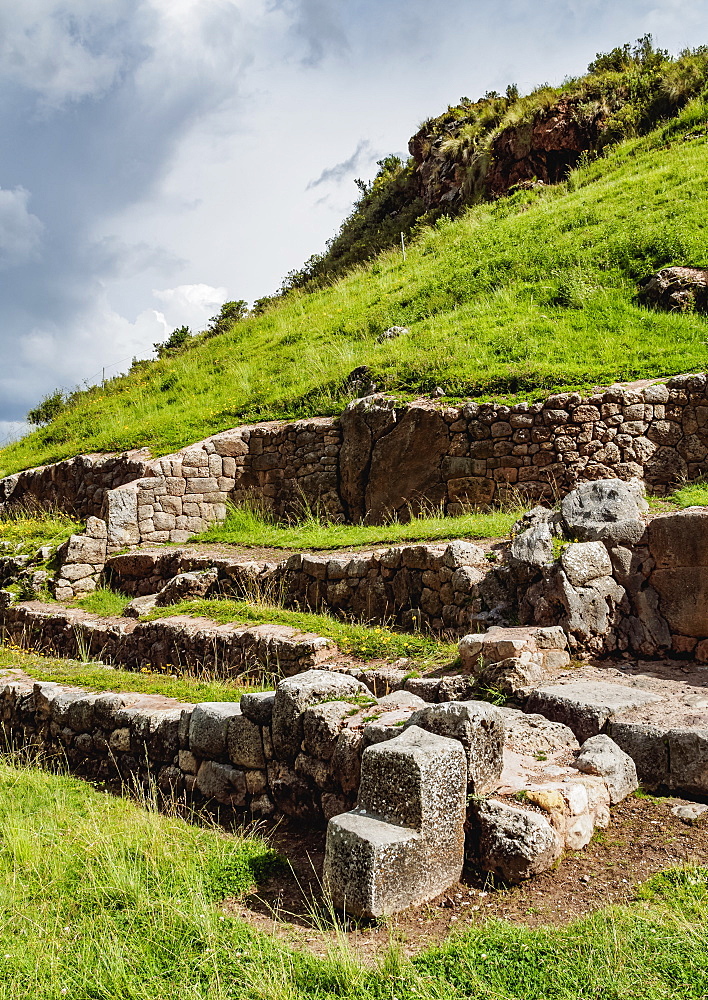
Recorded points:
(170, 145)
(20, 231)
(190, 305)
(342, 170)
(63, 51)
(320, 24)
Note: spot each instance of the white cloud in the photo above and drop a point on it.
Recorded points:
(190, 305)
(20, 231)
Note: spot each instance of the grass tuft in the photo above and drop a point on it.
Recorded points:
(246, 525)
(691, 495)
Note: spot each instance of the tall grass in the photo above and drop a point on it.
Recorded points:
(102, 898)
(25, 530)
(249, 526)
(513, 299)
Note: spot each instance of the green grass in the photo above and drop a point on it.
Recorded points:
(246, 526)
(691, 495)
(27, 531)
(357, 640)
(103, 899)
(516, 298)
(99, 677)
(104, 601)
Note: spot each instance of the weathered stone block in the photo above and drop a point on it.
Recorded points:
(404, 843)
(601, 756)
(222, 782)
(585, 707)
(208, 728)
(585, 561)
(258, 706)
(513, 843)
(294, 694)
(605, 510)
(322, 725)
(479, 727)
(244, 743)
(688, 760)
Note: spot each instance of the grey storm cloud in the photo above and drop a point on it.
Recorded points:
(94, 99)
(340, 171)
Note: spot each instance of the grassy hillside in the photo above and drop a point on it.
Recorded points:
(478, 150)
(532, 293)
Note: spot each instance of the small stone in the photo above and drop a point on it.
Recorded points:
(691, 813)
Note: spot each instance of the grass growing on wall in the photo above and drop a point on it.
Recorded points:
(516, 298)
(101, 898)
(96, 676)
(105, 602)
(26, 531)
(362, 641)
(247, 526)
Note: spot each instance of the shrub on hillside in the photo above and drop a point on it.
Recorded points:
(47, 409)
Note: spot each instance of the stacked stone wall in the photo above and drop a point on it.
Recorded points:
(77, 486)
(178, 643)
(309, 750)
(283, 468)
(382, 459)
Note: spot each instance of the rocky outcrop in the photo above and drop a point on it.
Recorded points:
(676, 289)
(449, 173)
(544, 150)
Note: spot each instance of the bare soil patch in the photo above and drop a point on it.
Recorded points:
(643, 838)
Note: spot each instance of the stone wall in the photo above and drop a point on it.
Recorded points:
(413, 585)
(299, 750)
(382, 459)
(284, 467)
(394, 458)
(76, 486)
(610, 576)
(195, 644)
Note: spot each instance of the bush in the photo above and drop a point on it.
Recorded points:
(175, 343)
(49, 408)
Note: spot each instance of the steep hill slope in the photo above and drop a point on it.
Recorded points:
(533, 292)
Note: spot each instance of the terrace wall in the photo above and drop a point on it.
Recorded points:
(381, 459)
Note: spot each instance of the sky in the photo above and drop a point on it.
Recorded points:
(161, 157)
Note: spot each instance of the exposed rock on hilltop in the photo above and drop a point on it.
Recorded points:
(542, 150)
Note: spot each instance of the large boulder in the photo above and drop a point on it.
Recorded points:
(607, 510)
(405, 472)
(511, 842)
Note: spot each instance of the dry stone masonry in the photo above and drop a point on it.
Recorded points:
(382, 458)
(395, 791)
(180, 642)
